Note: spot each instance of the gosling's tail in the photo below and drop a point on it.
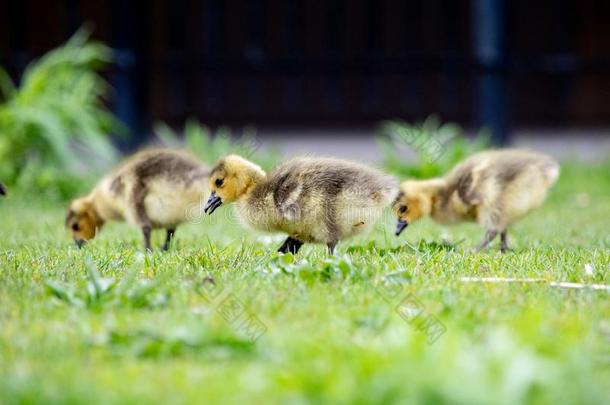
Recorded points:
(551, 172)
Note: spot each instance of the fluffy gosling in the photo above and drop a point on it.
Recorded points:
(313, 200)
(152, 189)
(492, 188)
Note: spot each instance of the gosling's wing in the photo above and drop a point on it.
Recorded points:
(171, 165)
(487, 177)
(489, 174)
(303, 184)
(468, 187)
(464, 180)
(286, 190)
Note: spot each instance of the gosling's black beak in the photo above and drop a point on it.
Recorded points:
(80, 243)
(213, 202)
(400, 226)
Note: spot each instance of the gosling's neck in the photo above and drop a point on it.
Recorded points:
(252, 202)
(98, 199)
(439, 193)
(257, 181)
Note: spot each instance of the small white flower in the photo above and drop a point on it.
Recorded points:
(271, 239)
(139, 258)
(200, 310)
(589, 269)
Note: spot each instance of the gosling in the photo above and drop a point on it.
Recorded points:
(152, 189)
(492, 188)
(313, 200)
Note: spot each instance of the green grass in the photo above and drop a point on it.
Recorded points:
(154, 332)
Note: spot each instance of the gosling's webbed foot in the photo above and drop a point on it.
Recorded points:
(290, 245)
(168, 239)
(503, 242)
(146, 231)
(489, 237)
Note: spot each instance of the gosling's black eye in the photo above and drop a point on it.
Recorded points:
(75, 227)
(403, 209)
(219, 182)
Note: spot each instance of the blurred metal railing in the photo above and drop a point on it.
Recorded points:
(333, 62)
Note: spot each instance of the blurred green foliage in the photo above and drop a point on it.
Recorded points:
(54, 125)
(101, 292)
(439, 146)
(210, 145)
(111, 324)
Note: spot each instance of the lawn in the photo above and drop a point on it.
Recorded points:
(223, 318)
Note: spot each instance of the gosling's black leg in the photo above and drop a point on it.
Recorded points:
(489, 236)
(139, 193)
(146, 231)
(331, 247)
(285, 245)
(168, 238)
(290, 245)
(503, 241)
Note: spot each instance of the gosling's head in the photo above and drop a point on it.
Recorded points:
(413, 203)
(83, 221)
(232, 178)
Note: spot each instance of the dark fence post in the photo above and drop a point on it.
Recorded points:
(128, 27)
(489, 28)
(18, 56)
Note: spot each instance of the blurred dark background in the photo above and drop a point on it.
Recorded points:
(337, 63)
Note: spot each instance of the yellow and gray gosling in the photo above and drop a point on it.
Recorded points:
(492, 188)
(152, 189)
(313, 200)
